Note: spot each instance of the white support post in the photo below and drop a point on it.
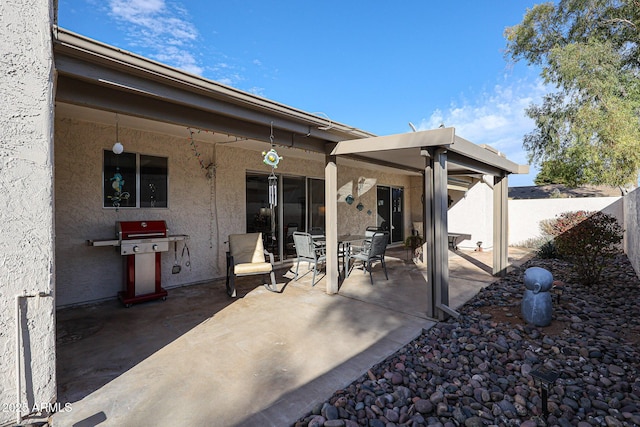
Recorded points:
(331, 223)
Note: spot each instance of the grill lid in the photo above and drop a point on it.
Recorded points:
(140, 229)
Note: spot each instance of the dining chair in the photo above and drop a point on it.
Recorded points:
(374, 252)
(310, 251)
(366, 243)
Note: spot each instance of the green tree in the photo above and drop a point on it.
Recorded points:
(588, 129)
(552, 172)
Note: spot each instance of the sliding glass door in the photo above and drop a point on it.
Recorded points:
(390, 212)
(300, 208)
(316, 205)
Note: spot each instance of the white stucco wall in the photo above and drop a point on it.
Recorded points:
(525, 215)
(473, 214)
(632, 228)
(26, 197)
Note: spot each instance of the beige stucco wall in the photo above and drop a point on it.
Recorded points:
(87, 273)
(26, 217)
(206, 209)
(352, 221)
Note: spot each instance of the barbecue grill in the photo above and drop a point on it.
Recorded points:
(141, 244)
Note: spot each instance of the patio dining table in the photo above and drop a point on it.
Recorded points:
(345, 241)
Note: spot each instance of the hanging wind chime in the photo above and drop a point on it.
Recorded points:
(271, 158)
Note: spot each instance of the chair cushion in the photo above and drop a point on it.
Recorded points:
(246, 248)
(252, 268)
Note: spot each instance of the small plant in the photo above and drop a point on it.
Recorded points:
(588, 240)
(413, 242)
(547, 250)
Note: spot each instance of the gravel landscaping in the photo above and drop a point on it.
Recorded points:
(476, 370)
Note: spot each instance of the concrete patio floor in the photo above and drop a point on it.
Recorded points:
(262, 359)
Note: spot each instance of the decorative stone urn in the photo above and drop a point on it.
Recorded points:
(537, 307)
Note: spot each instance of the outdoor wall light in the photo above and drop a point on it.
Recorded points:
(118, 148)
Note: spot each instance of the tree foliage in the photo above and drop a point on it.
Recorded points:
(588, 129)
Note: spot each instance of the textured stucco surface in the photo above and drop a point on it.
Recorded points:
(632, 227)
(26, 197)
(206, 209)
(352, 221)
(473, 214)
(86, 273)
(525, 215)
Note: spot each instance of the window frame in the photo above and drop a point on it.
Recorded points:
(108, 175)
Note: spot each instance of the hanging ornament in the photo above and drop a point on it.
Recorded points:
(271, 158)
(273, 190)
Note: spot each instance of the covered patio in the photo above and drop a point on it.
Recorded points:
(436, 154)
(263, 359)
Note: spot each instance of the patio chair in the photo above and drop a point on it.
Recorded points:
(374, 252)
(366, 243)
(246, 257)
(310, 251)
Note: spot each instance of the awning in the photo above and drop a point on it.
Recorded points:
(407, 150)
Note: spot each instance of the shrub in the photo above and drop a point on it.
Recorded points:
(588, 240)
(567, 220)
(547, 250)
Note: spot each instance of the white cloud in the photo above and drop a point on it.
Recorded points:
(164, 29)
(496, 118)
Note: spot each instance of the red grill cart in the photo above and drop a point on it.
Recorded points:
(141, 243)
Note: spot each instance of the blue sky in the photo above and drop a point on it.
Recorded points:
(375, 65)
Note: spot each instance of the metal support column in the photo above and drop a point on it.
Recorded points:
(435, 226)
(500, 225)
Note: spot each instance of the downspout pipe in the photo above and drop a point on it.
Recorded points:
(18, 297)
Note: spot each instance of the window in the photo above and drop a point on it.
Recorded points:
(133, 180)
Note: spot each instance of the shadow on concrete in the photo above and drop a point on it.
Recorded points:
(263, 359)
(97, 343)
(475, 261)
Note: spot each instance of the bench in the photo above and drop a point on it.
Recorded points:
(455, 238)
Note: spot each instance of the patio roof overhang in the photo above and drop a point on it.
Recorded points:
(436, 153)
(407, 151)
(99, 80)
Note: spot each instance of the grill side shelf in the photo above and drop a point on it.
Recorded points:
(103, 242)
